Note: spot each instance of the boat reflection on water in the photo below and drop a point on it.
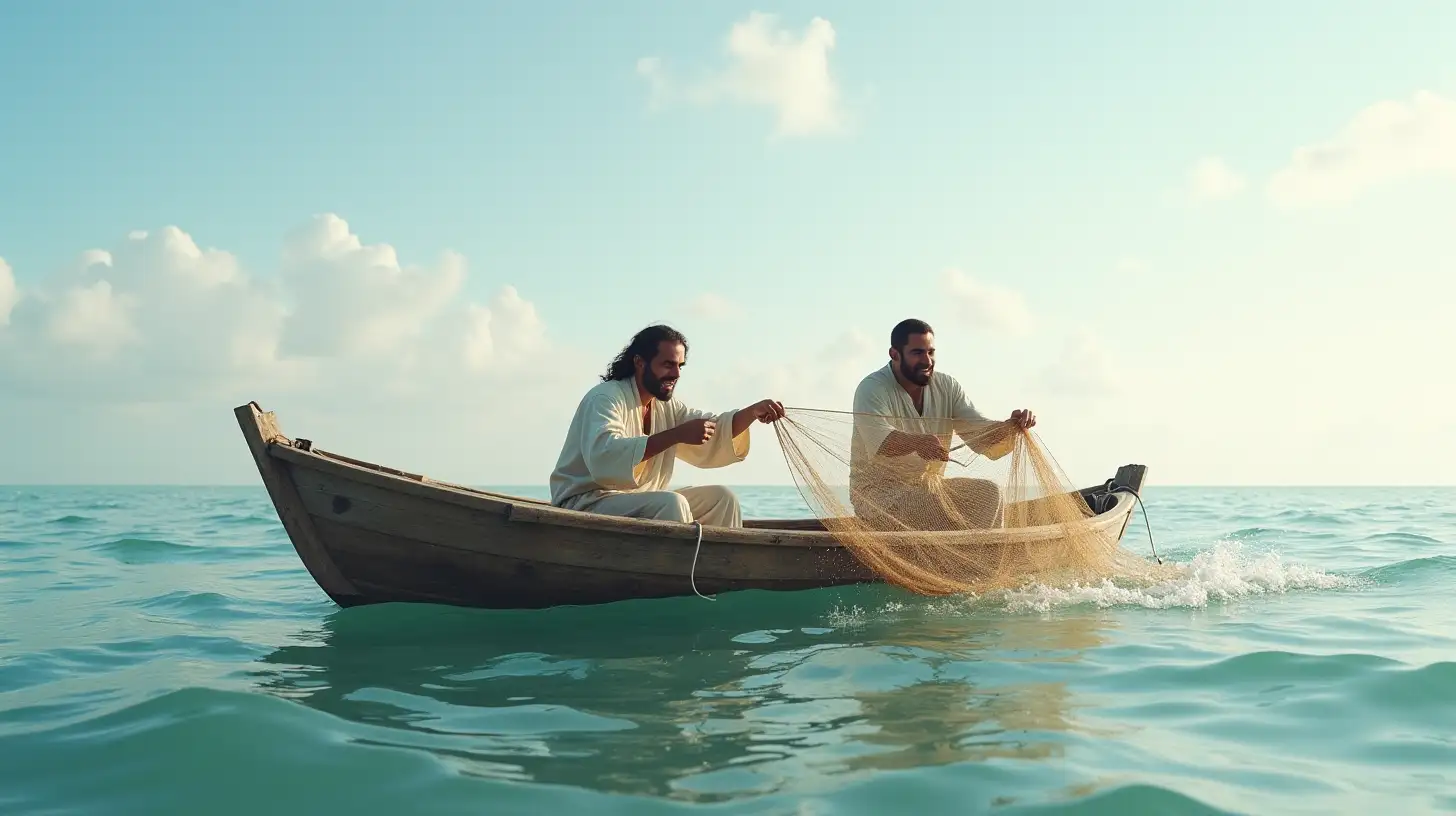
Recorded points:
(757, 692)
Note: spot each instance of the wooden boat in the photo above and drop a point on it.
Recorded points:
(372, 534)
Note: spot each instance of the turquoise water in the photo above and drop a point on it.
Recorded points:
(163, 651)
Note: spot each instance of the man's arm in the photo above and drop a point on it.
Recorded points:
(928, 446)
(701, 433)
(659, 442)
(874, 426)
(987, 437)
(692, 432)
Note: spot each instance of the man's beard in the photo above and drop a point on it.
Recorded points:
(918, 377)
(655, 386)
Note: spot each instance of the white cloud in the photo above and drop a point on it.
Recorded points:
(94, 320)
(768, 66)
(158, 319)
(9, 293)
(713, 306)
(987, 304)
(356, 299)
(153, 317)
(1389, 141)
(1211, 179)
(504, 334)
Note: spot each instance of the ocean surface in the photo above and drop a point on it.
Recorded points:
(162, 650)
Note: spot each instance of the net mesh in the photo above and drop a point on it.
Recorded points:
(941, 506)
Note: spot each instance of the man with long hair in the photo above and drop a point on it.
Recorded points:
(906, 414)
(629, 430)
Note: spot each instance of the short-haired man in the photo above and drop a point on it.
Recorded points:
(905, 416)
(629, 430)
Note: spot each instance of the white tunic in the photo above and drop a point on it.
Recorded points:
(881, 405)
(602, 454)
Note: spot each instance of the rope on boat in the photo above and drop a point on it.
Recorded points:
(692, 573)
(1112, 487)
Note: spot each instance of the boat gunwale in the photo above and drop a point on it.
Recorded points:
(522, 509)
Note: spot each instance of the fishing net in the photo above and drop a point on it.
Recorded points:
(942, 506)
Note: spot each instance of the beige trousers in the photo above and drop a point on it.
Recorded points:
(713, 505)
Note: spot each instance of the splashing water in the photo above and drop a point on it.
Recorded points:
(1225, 573)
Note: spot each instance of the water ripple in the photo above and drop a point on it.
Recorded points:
(1298, 664)
(1436, 566)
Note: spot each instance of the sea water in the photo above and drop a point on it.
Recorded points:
(162, 650)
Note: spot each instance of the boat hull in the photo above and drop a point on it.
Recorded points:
(370, 534)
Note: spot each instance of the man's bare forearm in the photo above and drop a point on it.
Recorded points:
(899, 443)
(659, 442)
(742, 420)
(982, 435)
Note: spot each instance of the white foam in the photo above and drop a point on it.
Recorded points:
(857, 616)
(1227, 572)
(1223, 573)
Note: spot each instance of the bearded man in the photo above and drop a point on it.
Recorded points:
(629, 430)
(905, 417)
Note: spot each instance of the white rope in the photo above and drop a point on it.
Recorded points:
(692, 574)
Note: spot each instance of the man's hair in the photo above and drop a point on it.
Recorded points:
(645, 344)
(900, 335)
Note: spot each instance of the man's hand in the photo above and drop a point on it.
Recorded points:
(1023, 419)
(930, 448)
(767, 411)
(696, 431)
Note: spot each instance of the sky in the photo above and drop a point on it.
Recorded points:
(1213, 239)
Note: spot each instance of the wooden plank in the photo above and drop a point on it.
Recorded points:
(371, 475)
(393, 568)
(448, 525)
(542, 513)
(261, 432)
(406, 495)
(557, 517)
(520, 510)
(807, 525)
(552, 516)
